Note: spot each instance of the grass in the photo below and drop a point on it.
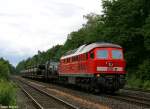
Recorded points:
(7, 93)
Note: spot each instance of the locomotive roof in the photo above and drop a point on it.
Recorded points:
(86, 48)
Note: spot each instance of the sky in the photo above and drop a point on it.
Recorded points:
(27, 26)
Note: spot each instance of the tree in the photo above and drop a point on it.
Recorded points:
(5, 69)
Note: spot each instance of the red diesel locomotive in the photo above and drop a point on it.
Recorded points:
(95, 66)
(92, 66)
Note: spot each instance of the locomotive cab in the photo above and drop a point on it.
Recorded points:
(108, 66)
(109, 60)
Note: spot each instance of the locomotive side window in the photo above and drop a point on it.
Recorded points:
(92, 55)
(102, 54)
(116, 54)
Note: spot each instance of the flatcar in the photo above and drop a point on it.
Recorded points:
(96, 66)
(37, 71)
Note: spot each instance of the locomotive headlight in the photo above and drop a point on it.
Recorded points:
(118, 68)
(98, 75)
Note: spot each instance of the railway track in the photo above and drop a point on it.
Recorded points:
(137, 90)
(125, 97)
(44, 100)
(37, 105)
(133, 98)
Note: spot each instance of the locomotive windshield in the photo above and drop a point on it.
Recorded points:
(117, 54)
(102, 54)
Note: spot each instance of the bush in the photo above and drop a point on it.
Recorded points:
(134, 82)
(146, 85)
(7, 93)
(4, 69)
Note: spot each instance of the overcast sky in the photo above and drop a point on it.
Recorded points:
(27, 26)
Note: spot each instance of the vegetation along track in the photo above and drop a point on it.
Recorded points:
(44, 100)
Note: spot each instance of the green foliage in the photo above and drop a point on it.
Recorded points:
(124, 22)
(144, 70)
(146, 85)
(7, 90)
(7, 93)
(146, 33)
(5, 69)
(134, 82)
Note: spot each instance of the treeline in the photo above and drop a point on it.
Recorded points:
(125, 22)
(5, 69)
(41, 58)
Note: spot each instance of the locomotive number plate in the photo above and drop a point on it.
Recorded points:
(110, 69)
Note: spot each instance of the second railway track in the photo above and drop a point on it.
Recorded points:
(133, 96)
(133, 99)
(43, 100)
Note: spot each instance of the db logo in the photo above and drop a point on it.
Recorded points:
(110, 64)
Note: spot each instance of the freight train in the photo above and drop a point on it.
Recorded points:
(93, 66)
